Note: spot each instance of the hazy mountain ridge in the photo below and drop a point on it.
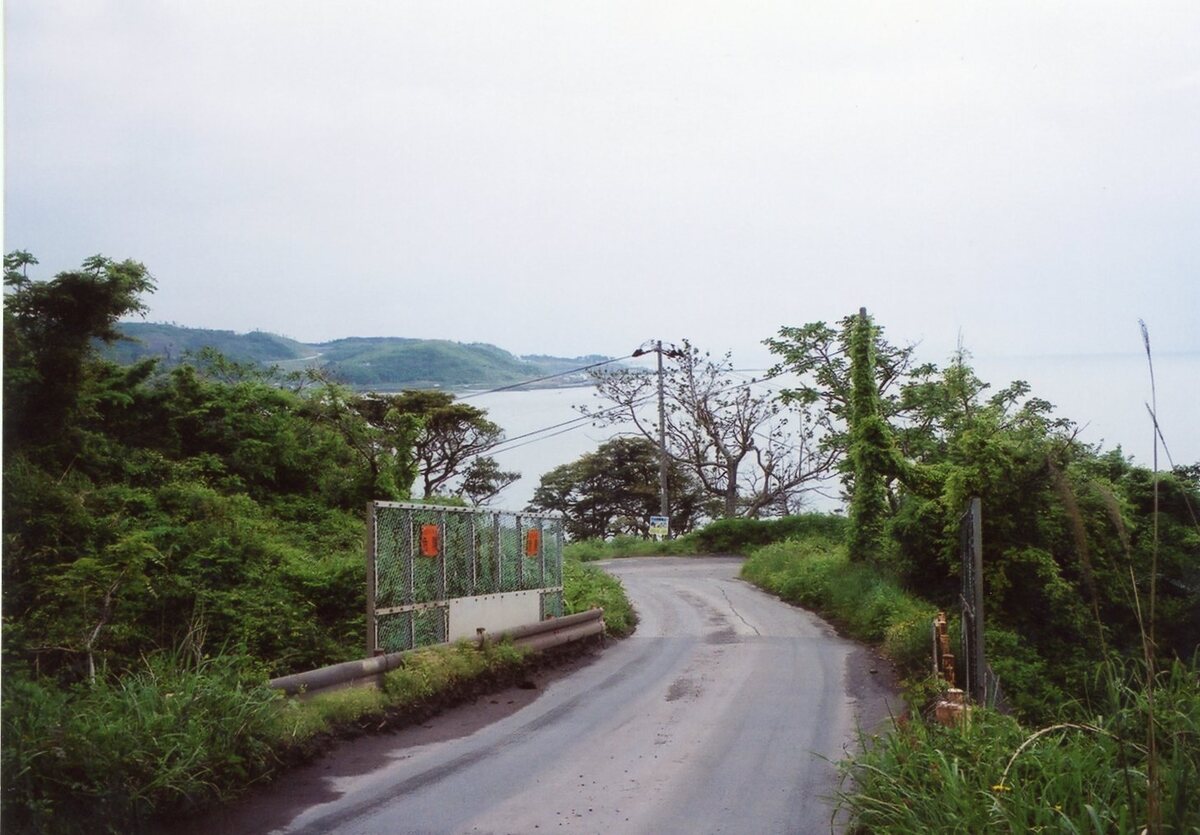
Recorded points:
(378, 362)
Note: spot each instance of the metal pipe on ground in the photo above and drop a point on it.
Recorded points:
(336, 674)
(518, 633)
(534, 636)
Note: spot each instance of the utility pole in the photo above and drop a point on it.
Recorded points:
(662, 437)
(663, 501)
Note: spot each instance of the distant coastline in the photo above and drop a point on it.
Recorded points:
(363, 363)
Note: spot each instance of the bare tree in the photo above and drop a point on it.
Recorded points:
(746, 448)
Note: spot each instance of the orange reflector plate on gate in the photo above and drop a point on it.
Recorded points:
(430, 544)
(533, 541)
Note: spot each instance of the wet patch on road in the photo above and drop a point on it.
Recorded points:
(724, 636)
(683, 688)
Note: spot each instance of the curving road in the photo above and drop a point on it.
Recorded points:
(721, 714)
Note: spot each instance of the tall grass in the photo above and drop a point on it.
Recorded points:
(992, 775)
(179, 732)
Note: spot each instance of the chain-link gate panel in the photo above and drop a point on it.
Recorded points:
(422, 556)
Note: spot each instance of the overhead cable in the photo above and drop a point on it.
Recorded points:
(543, 379)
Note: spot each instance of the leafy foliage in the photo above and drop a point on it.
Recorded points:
(146, 503)
(741, 536)
(587, 587)
(1067, 529)
(615, 491)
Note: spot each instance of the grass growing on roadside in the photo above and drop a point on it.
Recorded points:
(816, 573)
(182, 734)
(994, 776)
(588, 550)
(587, 587)
(428, 675)
(178, 733)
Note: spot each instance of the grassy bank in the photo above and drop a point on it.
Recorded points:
(865, 604)
(587, 587)
(187, 732)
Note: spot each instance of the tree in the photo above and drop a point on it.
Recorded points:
(450, 446)
(614, 490)
(819, 354)
(870, 447)
(49, 328)
(484, 479)
(740, 446)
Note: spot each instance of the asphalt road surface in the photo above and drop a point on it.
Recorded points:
(722, 713)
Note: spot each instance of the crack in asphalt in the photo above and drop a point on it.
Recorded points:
(725, 594)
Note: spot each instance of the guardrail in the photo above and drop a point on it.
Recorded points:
(368, 671)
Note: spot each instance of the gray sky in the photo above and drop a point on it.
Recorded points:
(577, 177)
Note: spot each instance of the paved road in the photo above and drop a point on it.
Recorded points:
(720, 714)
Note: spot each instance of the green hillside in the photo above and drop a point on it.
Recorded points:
(394, 361)
(362, 362)
(172, 342)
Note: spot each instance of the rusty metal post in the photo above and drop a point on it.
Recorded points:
(371, 545)
(980, 659)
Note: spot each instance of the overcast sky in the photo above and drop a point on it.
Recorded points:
(570, 177)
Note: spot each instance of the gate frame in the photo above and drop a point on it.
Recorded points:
(372, 564)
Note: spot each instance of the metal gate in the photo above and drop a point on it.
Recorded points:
(436, 573)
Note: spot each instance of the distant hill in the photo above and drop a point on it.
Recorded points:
(387, 362)
(171, 342)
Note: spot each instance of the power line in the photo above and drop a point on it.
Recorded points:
(572, 424)
(579, 422)
(542, 379)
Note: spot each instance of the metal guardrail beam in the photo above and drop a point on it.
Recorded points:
(366, 672)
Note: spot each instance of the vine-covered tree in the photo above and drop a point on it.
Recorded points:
(870, 447)
(743, 446)
(614, 490)
(818, 354)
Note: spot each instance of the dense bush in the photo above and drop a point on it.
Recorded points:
(738, 536)
(588, 550)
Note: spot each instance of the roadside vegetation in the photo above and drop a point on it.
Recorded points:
(586, 587)
(175, 537)
(1092, 578)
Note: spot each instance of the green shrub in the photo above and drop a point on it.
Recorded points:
(738, 536)
(588, 550)
(586, 587)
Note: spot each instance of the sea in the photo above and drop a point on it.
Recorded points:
(1106, 395)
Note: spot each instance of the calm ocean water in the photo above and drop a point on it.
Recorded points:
(1106, 394)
